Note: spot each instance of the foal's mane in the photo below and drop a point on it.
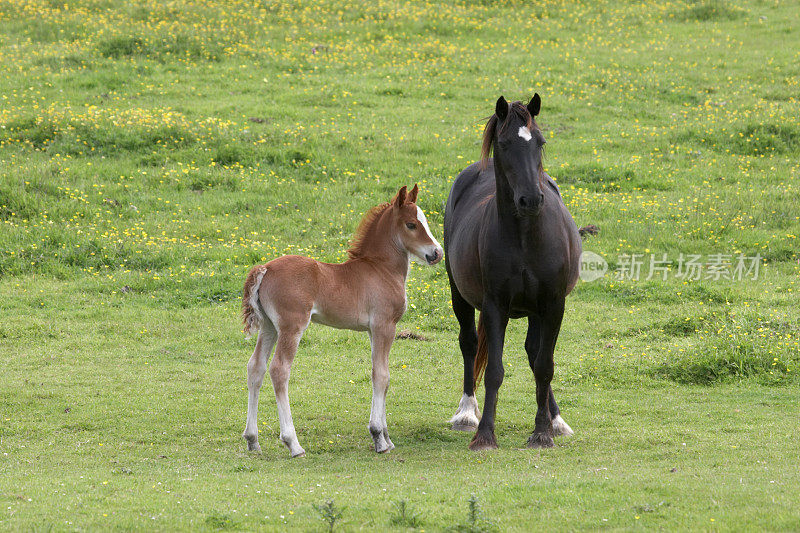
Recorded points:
(370, 217)
(518, 109)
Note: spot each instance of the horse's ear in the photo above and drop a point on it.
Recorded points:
(412, 196)
(535, 105)
(400, 199)
(501, 109)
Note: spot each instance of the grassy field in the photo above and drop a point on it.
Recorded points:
(153, 152)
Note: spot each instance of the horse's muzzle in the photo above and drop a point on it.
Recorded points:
(529, 206)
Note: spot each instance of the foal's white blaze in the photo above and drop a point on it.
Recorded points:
(421, 217)
(435, 248)
(524, 132)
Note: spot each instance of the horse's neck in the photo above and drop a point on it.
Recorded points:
(528, 230)
(504, 197)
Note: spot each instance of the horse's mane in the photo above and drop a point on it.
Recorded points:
(521, 111)
(370, 217)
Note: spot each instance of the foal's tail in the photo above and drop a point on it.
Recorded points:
(482, 357)
(252, 314)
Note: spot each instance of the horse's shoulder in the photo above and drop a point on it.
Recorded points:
(552, 183)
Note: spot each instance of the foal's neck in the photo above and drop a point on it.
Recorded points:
(381, 248)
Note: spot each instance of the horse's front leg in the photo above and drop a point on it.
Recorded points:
(494, 321)
(550, 321)
(381, 337)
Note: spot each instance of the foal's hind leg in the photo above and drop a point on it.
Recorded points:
(256, 368)
(467, 416)
(532, 347)
(289, 334)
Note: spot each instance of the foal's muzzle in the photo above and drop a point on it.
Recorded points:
(434, 257)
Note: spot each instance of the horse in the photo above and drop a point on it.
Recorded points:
(365, 293)
(512, 250)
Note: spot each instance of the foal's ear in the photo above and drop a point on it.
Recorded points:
(400, 199)
(535, 105)
(501, 109)
(412, 196)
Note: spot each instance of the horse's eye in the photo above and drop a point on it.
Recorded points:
(411, 225)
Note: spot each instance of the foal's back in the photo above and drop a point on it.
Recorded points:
(341, 295)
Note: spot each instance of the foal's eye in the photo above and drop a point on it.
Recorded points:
(411, 225)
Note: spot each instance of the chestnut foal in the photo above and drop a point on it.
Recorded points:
(365, 293)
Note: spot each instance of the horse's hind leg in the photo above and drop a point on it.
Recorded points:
(532, 347)
(550, 325)
(467, 416)
(279, 370)
(256, 368)
(560, 427)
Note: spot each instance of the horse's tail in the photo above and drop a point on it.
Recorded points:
(252, 314)
(482, 356)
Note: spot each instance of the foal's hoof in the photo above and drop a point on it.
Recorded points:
(481, 442)
(383, 446)
(540, 440)
(389, 442)
(252, 444)
(301, 453)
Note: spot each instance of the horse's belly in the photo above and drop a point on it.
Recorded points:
(467, 279)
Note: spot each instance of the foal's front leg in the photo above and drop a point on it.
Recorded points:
(381, 338)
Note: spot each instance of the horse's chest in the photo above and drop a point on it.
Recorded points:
(524, 291)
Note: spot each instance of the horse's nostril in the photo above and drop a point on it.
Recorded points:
(523, 202)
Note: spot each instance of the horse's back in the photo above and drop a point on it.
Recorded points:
(472, 183)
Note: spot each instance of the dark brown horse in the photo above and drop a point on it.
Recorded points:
(512, 250)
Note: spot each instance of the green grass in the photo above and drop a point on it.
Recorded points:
(153, 152)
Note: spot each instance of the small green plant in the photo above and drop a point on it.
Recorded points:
(405, 516)
(220, 521)
(329, 513)
(476, 522)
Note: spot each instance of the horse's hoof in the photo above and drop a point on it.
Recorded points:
(301, 453)
(463, 427)
(480, 443)
(539, 440)
(561, 428)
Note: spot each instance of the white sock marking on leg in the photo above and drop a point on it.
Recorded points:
(561, 428)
